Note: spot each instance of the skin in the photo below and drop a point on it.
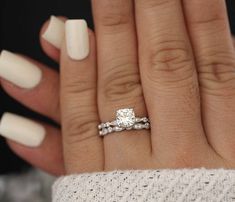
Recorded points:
(172, 60)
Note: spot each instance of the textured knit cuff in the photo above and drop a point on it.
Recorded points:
(148, 185)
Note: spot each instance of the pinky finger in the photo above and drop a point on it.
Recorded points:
(37, 143)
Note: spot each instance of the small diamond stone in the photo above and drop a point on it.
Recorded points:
(138, 120)
(145, 119)
(100, 132)
(147, 125)
(138, 126)
(117, 129)
(107, 124)
(125, 118)
(105, 131)
(110, 129)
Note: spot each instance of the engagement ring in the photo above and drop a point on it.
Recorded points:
(125, 120)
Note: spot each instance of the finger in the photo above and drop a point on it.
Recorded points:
(37, 143)
(48, 157)
(35, 85)
(118, 81)
(215, 55)
(169, 77)
(52, 36)
(83, 148)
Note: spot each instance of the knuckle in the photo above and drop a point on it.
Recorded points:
(78, 87)
(115, 13)
(79, 128)
(170, 61)
(217, 71)
(152, 4)
(122, 82)
(215, 18)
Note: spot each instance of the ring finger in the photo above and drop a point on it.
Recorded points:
(118, 79)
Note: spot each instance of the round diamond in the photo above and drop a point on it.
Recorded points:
(147, 125)
(105, 131)
(125, 118)
(101, 132)
(145, 119)
(110, 129)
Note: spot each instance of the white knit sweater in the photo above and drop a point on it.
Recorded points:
(148, 185)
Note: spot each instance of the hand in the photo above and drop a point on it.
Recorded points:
(171, 61)
(52, 160)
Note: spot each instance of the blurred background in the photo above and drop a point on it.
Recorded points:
(20, 23)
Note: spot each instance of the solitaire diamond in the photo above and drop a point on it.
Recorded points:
(125, 118)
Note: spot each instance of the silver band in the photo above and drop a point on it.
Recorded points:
(125, 120)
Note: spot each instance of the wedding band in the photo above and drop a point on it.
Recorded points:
(125, 120)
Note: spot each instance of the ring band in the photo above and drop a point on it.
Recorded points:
(125, 120)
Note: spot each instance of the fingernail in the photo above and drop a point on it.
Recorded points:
(77, 39)
(54, 33)
(18, 70)
(21, 130)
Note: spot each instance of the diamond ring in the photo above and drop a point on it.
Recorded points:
(125, 120)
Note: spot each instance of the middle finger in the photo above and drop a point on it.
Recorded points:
(169, 76)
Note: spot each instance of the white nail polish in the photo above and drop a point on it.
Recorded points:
(18, 70)
(21, 130)
(54, 33)
(77, 39)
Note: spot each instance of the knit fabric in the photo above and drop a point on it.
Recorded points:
(147, 185)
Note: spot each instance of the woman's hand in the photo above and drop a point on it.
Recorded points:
(173, 61)
(186, 74)
(42, 97)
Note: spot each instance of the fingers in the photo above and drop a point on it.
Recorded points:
(118, 79)
(214, 50)
(52, 36)
(169, 77)
(48, 156)
(37, 143)
(35, 85)
(83, 148)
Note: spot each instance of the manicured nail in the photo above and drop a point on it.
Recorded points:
(77, 39)
(21, 130)
(54, 33)
(18, 70)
